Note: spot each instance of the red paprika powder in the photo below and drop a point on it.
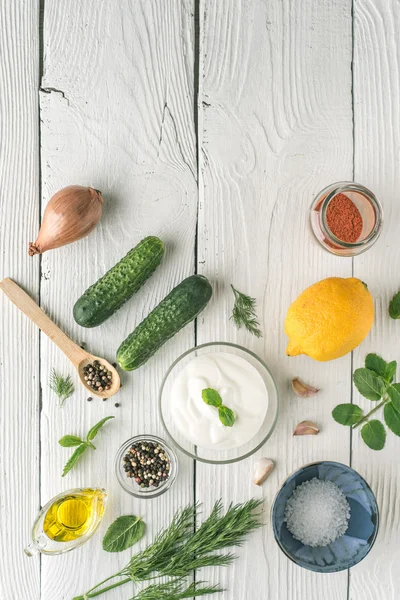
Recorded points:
(344, 219)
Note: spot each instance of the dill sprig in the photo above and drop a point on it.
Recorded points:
(178, 550)
(176, 589)
(244, 313)
(61, 386)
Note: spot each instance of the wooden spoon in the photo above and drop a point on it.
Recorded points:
(79, 357)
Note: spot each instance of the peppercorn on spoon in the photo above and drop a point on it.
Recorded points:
(78, 357)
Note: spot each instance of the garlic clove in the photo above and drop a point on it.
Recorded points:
(262, 469)
(306, 428)
(303, 389)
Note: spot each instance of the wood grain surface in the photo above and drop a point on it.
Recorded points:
(377, 165)
(117, 114)
(275, 131)
(212, 125)
(19, 340)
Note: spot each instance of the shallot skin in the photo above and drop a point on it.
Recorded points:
(71, 214)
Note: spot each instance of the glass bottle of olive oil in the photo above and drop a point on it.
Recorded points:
(67, 521)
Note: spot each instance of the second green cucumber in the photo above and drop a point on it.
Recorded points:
(111, 291)
(181, 306)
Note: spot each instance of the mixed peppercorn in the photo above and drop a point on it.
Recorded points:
(97, 376)
(148, 463)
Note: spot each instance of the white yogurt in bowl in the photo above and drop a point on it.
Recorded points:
(241, 381)
(241, 388)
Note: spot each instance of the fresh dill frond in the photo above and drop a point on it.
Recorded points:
(167, 544)
(176, 589)
(244, 313)
(178, 550)
(61, 386)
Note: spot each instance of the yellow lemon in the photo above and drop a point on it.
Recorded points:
(329, 319)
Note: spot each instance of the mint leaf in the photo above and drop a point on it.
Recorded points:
(390, 371)
(392, 417)
(374, 435)
(347, 414)
(211, 397)
(393, 392)
(123, 533)
(226, 416)
(394, 306)
(74, 458)
(95, 429)
(67, 441)
(369, 384)
(375, 363)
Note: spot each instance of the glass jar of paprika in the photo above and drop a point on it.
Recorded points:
(346, 218)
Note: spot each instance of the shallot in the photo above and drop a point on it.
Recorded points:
(71, 214)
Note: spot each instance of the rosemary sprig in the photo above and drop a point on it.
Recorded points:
(177, 550)
(61, 386)
(244, 313)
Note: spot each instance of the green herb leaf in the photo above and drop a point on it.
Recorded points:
(374, 435)
(123, 533)
(61, 386)
(211, 397)
(74, 458)
(375, 363)
(347, 414)
(67, 441)
(369, 384)
(392, 417)
(393, 392)
(390, 371)
(244, 313)
(394, 306)
(95, 429)
(226, 416)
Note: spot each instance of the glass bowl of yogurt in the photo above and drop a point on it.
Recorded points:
(218, 403)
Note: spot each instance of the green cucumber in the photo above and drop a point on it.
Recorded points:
(111, 291)
(181, 306)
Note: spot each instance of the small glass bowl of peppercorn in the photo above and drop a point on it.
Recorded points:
(346, 218)
(146, 466)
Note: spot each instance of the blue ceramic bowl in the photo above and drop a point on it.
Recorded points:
(358, 540)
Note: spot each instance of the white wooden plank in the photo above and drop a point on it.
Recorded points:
(121, 121)
(377, 165)
(276, 127)
(19, 366)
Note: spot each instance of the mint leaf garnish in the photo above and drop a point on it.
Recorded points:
(226, 416)
(211, 397)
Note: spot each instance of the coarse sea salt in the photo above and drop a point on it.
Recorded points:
(317, 513)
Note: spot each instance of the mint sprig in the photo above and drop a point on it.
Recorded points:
(69, 441)
(375, 382)
(225, 414)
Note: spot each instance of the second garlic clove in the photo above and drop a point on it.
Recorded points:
(304, 390)
(262, 469)
(306, 428)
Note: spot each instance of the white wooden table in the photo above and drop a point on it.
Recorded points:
(211, 124)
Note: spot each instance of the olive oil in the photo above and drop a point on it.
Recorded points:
(73, 515)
